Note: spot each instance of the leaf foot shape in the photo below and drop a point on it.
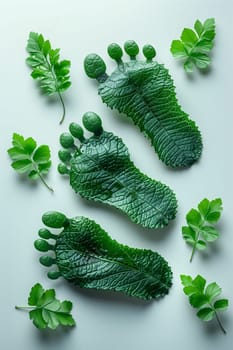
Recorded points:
(100, 169)
(145, 92)
(88, 257)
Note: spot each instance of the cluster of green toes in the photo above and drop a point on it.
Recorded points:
(92, 123)
(96, 68)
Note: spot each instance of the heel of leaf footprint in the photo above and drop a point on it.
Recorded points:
(100, 169)
(87, 256)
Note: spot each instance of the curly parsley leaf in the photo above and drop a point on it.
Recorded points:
(200, 229)
(195, 46)
(29, 159)
(46, 311)
(203, 297)
(52, 74)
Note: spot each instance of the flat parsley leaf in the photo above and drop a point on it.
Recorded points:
(46, 311)
(203, 297)
(200, 229)
(52, 74)
(195, 46)
(28, 159)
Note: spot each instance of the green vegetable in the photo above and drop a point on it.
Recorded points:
(100, 169)
(144, 91)
(203, 297)
(46, 311)
(30, 159)
(52, 74)
(88, 257)
(194, 46)
(200, 229)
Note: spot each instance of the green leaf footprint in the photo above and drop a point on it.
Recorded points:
(100, 169)
(144, 91)
(87, 256)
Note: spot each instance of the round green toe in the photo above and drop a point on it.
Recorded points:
(92, 123)
(94, 66)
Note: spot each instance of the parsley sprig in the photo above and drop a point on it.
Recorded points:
(203, 297)
(195, 46)
(200, 229)
(30, 159)
(52, 74)
(46, 311)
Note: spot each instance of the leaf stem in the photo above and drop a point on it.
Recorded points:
(50, 67)
(194, 247)
(193, 251)
(40, 176)
(219, 322)
(63, 108)
(23, 307)
(44, 182)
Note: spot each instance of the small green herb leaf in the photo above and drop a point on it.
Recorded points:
(212, 291)
(42, 154)
(46, 311)
(188, 38)
(203, 297)
(193, 218)
(198, 300)
(201, 245)
(29, 160)
(206, 314)
(22, 166)
(214, 212)
(52, 74)
(199, 283)
(200, 230)
(44, 167)
(209, 233)
(188, 65)
(29, 145)
(201, 60)
(198, 27)
(33, 175)
(221, 304)
(18, 141)
(186, 280)
(178, 49)
(195, 45)
(189, 235)
(35, 294)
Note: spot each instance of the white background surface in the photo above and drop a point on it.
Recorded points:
(110, 320)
